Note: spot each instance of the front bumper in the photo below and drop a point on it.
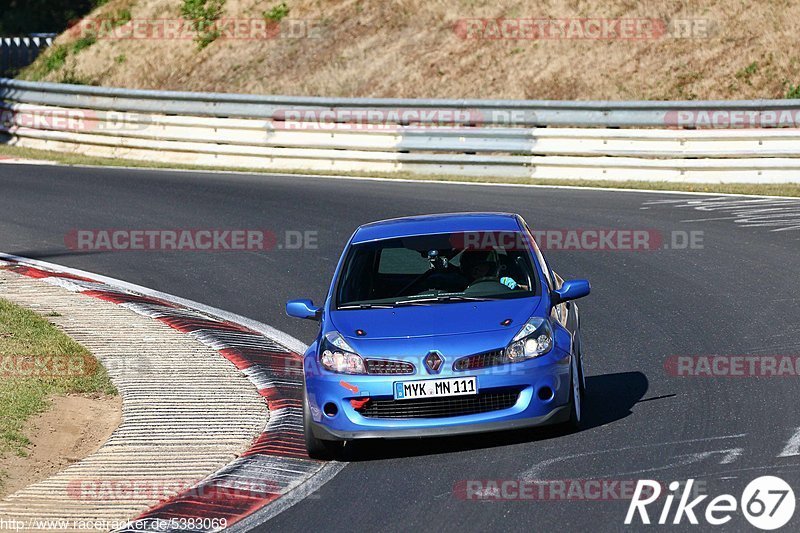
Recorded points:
(530, 409)
(557, 415)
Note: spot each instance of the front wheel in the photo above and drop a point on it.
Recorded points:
(317, 448)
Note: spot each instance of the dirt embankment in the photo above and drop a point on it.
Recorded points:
(559, 49)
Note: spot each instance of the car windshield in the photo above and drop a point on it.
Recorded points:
(434, 269)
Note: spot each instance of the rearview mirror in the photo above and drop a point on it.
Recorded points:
(571, 290)
(303, 309)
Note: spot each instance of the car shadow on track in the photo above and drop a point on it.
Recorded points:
(609, 398)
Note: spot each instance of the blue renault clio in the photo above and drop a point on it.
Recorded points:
(441, 325)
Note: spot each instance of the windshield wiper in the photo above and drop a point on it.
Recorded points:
(445, 299)
(420, 301)
(366, 306)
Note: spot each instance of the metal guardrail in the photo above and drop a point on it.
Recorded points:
(538, 113)
(492, 138)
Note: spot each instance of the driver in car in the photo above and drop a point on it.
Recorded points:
(478, 265)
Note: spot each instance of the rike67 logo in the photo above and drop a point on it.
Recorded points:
(767, 502)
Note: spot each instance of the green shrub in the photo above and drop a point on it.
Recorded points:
(83, 43)
(277, 13)
(122, 17)
(747, 72)
(203, 14)
(793, 91)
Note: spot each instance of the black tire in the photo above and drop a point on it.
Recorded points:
(581, 375)
(324, 450)
(574, 422)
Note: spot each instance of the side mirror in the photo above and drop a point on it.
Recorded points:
(571, 290)
(303, 309)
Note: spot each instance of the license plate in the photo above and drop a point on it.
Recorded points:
(434, 388)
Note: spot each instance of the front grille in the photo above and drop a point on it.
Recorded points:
(441, 407)
(383, 366)
(481, 360)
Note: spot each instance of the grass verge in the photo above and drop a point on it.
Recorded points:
(37, 361)
(769, 189)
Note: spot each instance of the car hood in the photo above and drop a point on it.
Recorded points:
(434, 320)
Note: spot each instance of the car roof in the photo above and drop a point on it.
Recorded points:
(431, 224)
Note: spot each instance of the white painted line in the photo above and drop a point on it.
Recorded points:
(536, 470)
(288, 499)
(780, 215)
(732, 455)
(19, 161)
(792, 447)
(728, 456)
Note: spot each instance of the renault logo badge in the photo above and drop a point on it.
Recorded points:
(434, 362)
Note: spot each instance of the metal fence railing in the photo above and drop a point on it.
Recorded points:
(720, 141)
(19, 52)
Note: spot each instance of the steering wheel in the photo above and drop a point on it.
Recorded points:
(487, 284)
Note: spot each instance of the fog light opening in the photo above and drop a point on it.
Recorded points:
(545, 393)
(330, 409)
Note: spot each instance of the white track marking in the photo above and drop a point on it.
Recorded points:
(792, 447)
(534, 472)
(731, 456)
(19, 161)
(772, 469)
(780, 214)
(686, 459)
(289, 499)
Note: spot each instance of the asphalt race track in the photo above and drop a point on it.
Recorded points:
(737, 295)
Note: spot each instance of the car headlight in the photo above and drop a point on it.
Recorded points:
(337, 356)
(533, 340)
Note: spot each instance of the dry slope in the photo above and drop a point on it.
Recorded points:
(418, 48)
